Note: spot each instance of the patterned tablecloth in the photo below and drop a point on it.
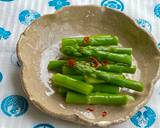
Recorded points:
(15, 15)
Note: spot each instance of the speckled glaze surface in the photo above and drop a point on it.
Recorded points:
(45, 35)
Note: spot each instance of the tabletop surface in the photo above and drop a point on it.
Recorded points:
(16, 111)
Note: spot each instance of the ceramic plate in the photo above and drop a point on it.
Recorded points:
(40, 43)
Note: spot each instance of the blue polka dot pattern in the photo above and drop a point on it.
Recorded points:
(144, 24)
(114, 4)
(144, 118)
(4, 34)
(14, 105)
(1, 76)
(43, 125)
(157, 10)
(27, 16)
(58, 4)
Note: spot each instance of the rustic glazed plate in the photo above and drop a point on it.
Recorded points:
(40, 43)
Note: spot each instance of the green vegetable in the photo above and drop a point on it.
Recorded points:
(96, 88)
(92, 71)
(118, 68)
(62, 91)
(69, 71)
(72, 84)
(96, 98)
(119, 58)
(92, 80)
(71, 51)
(100, 55)
(118, 80)
(113, 49)
(86, 69)
(77, 77)
(76, 98)
(98, 40)
(55, 64)
(105, 88)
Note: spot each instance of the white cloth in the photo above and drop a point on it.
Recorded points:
(15, 15)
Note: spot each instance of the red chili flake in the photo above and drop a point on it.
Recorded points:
(104, 114)
(105, 62)
(86, 40)
(96, 62)
(90, 109)
(71, 62)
